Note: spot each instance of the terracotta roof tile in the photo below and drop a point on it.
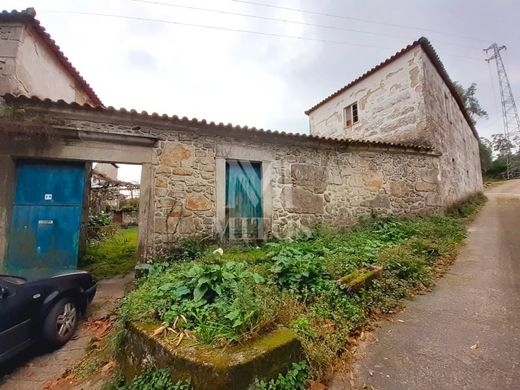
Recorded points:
(28, 16)
(434, 57)
(32, 101)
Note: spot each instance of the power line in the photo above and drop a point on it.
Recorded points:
(306, 11)
(297, 22)
(205, 26)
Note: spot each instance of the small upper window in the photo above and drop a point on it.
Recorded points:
(351, 115)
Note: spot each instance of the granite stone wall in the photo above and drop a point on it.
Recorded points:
(452, 136)
(311, 183)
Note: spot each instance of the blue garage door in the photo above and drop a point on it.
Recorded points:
(46, 218)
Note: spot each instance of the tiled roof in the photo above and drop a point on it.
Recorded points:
(133, 115)
(434, 57)
(28, 16)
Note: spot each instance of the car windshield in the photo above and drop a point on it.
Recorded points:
(12, 279)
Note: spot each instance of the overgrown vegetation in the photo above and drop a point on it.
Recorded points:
(98, 220)
(151, 379)
(225, 299)
(115, 255)
(295, 379)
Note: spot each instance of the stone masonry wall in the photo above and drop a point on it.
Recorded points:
(312, 183)
(450, 133)
(336, 187)
(390, 105)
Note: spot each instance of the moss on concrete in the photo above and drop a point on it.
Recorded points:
(357, 280)
(235, 367)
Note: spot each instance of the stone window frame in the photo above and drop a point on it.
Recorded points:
(226, 152)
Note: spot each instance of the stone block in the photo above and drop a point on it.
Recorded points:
(414, 76)
(399, 189)
(182, 171)
(311, 177)
(356, 180)
(161, 183)
(423, 186)
(381, 201)
(374, 181)
(175, 155)
(198, 202)
(301, 200)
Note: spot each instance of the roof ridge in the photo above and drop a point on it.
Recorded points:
(24, 99)
(29, 16)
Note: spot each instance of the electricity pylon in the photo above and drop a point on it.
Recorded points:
(509, 110)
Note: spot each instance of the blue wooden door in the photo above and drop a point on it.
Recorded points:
(244, 217)
(46, 217)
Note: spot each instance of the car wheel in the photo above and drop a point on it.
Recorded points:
(60, 324)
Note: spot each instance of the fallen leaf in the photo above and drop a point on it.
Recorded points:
(179, 340)
(159, 330)
(109, 366)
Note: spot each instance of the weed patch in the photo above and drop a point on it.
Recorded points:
(227, 298)
(112, 256)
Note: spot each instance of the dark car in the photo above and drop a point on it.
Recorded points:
(45, 309)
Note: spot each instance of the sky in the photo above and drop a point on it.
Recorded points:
(160, 56)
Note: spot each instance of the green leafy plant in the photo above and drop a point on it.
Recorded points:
(152, 379)
(102, 219)
(217, 301)
(295, 379)
(295, 269)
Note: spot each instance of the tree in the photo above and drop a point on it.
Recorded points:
(501, 144)
(470, 101)
(486, 153)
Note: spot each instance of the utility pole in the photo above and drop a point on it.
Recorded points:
(509, 110)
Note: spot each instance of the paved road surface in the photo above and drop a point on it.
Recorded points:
(465, 334)
(36, 369)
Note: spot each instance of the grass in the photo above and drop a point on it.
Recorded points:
(116, 255)
(249, 290)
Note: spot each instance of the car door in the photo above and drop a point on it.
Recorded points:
(15, 319)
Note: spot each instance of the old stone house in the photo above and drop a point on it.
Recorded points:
(395, 141)
(409, 98)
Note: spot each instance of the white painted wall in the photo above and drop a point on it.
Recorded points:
(29, 67)
(390, 105)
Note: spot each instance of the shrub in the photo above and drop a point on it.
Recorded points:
(102, 219)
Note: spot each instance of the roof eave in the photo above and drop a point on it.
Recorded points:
(47, 105)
